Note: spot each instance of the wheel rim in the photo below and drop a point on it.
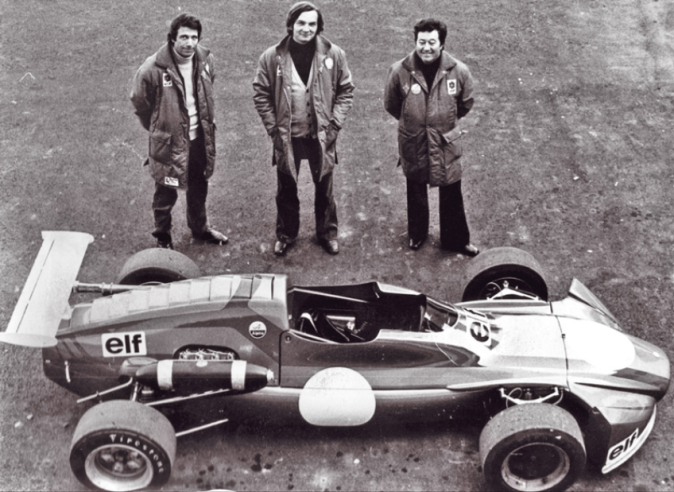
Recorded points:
(535, 467)
(118, 468)
(513, 283)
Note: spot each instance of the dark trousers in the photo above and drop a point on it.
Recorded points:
(165, 197)
(288, 203)
(454, 233)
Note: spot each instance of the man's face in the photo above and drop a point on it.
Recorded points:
(428, 46)
(186, 41)
(304, 28)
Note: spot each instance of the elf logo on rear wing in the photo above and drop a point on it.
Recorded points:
(122, 344)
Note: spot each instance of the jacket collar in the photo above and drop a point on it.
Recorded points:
(410, 62)
(165, 58)
(323, 45)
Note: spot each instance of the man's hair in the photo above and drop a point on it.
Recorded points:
(430, 25)
(298, 9)
(183, 20)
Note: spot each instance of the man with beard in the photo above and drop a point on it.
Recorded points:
(428, 91)
(303, 91)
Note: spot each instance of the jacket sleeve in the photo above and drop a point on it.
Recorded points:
(343, 92)
(263, 96)
(393, 99)
(464, 102)
(143, 96)
(212, 61)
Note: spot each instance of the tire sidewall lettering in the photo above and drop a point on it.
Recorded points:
(156, 456)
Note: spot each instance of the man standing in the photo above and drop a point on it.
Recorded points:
(428, 92)
(303, 91)
(173, 96)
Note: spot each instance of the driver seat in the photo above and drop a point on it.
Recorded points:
(307, 324)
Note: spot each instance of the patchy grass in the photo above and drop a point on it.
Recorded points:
(568, 156)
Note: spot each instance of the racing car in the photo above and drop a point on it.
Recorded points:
(563, 385)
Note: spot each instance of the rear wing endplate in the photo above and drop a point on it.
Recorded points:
(44, 298)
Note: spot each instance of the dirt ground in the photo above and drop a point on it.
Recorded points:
(568, 156)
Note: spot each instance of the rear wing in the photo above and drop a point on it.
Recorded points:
(44, 298)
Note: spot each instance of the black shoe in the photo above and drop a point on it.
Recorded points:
(470, 250)
(211, 236)
(281, 248)
(331, 246)
(166, 244)
(415, 245)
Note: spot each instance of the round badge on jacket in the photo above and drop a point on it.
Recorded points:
(329, 63)
(416, 88)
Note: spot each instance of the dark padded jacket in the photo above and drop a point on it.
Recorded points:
(330, 95)
(428, 138)
(158, 95)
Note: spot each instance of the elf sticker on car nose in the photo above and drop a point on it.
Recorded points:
(123, 344)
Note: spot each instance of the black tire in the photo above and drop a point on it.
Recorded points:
(534, 447)
(497, 268)
(157, 265)
(123, 445)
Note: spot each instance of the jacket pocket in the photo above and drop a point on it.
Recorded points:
(412, 150)
(452, 143)
(409, 146)
(160, 146)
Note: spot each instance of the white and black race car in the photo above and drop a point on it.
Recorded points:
(560, 382)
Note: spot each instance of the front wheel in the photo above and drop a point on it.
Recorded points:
(532, 447)
(504, 273)
(122, 446)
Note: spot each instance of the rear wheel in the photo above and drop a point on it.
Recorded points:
(123, 446)
(532, 447)
(498, 269)
(157, 265)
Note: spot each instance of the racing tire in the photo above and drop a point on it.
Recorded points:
(122, 446)
(497, 268)
(532, 447)
(157, 265)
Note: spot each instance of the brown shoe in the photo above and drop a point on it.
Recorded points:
(211, 236)
(165, 244)
(415, 245)
(331, 246)
(281, 248)
(470, 250)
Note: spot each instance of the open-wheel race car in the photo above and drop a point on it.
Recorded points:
(561, 383)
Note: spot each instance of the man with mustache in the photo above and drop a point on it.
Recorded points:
(173, 97)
